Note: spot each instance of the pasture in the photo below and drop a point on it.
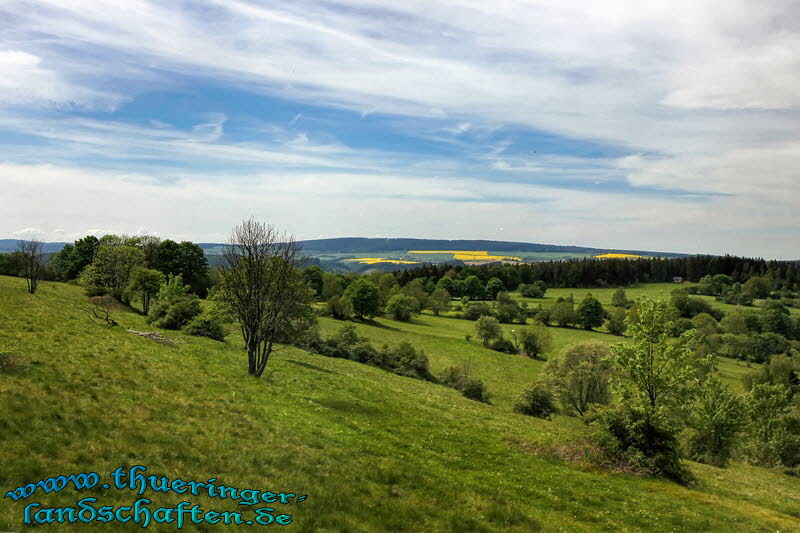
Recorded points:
(372, 450)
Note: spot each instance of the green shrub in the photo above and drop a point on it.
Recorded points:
(402, 307)
(459, 378)
(537, 400)
(205, 326)
(93, 290)
(503, 345)
(715, 418)
(174, 314)
(476, 310)
(629, 439)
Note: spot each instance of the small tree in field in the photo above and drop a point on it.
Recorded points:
(581, 376)
(660, 370)
(487, 328)
(533, 340)
(590, 313)
(145, 283)
(32, 262)
(364, 298)
(619, 299)
(261, 284)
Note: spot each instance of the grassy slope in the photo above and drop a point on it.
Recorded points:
(374, 451)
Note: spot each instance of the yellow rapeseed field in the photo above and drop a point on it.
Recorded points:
(619, 256)
(374, 260)
(468, 255)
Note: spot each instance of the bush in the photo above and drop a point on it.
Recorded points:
(93, 290)
(532, 341)
(402, 306)
(487, 328)
(175, 306)
(460, 379)
(615, 322)
(536, 289)
(537, 400)
(773, 431)
(630, 440)
(175, 314)
(503, 345)
(476, 310)
(405, 360)
(581, 376)
(205, 326)
(338, 308)
(715, 418)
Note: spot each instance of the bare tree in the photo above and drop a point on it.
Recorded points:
(262, 286)
(100, 308)
(32, 261)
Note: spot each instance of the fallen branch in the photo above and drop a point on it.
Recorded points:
(154, 336)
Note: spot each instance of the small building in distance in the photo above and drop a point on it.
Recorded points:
(677, 280)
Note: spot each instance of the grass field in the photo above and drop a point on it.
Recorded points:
(651, 290)
(373, 451)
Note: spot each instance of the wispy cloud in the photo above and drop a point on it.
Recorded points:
(703, 100)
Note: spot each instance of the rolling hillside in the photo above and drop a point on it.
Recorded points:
(372, 450)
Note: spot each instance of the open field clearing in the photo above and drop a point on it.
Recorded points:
(372, 450)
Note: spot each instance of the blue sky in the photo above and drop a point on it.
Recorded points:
(613, 124)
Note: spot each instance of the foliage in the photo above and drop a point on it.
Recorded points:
(461, 379)
(70, 261)
(659, 370)
(186, 260)
(438, 301)
(174, 314)
(473, 288)
(314, 277)
(615, 322)
(205, 326)
(414, 289)
(590, 313)
(477, 310)
(773, 427)
(363, 297)
(537, 400)
(634, 438)
(112, 267)
(532, 340)
(580, 376)
(661, 375)
(402, 306)
(715, 418)
(619, 298)
(145, 283)
(780, 370)
(563, 313)
(487, 329)
(537, 289)
(494, 286)
(501, 344)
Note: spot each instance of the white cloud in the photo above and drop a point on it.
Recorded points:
(708, 94)
(372, 205)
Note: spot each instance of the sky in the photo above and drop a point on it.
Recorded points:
(651, 125)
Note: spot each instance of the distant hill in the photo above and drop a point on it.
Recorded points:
(368, 245)
(363, 244)
(10, 245)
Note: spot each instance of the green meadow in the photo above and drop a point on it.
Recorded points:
(373, 451)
